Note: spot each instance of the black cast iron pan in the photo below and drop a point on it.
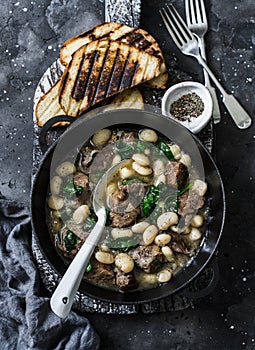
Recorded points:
(138, 119)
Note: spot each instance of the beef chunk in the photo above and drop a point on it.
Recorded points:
(103, 160)
(114, 137)
(147, 258)
(125, 281)
(189, 202)
(69, 248)
(136, 192)
(124, 219)
(115, 199)
(101, 273)
(82, 180)
(176, 174)
(179, 243)
(87, 155)
(131, 194)
(128, 136)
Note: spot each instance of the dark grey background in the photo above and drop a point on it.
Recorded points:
(31, 33)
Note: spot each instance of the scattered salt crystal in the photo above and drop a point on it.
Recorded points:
(232, 327)
(244, 279)
(49, 47)
(24, 9)
(16, 4)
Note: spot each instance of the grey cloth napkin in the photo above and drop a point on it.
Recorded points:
(26, 321)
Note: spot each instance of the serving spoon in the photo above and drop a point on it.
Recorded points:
(63, 297)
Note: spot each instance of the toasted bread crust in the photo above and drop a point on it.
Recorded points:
(116, 32)
(101, 69)
(48, 105)
(130, 98)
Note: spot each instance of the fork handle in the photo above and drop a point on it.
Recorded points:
(236, 111)
(201, 44)
(216, 108)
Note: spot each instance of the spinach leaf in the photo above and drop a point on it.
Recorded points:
(150, 199)
(123, 244)
(127, 149)
(71, 189)
(89, 224)
(171, 202)
(89, 267)
(70, 240)
(131, 181)
(166, 150)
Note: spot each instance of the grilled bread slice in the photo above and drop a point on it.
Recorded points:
(138, 38)
(101, 69)
(48, 105)
(130, 98)
(101, 31)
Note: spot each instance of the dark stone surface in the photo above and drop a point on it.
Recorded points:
(30, 35)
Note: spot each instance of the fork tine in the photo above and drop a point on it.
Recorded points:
(166, 19)
(192, 10)
(187, 7)
(179, 22)
(202, 5)
(198, 12)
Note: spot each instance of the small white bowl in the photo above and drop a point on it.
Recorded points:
(194, 124)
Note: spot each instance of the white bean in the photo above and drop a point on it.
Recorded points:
(124, 262)
(158, 167)
(168, 253)
(56, 214)
(176, 228)
(141, 170)
(149, 278)
(55, 184)
(104, 257)
(197, 221)
(186, 230)
(101, 137)
(149, 234)
(140, 227)
(195, 234)
(148, 135)
(200, 187)
(164, 276)
(161, 179)
(186, 160)
(116, 159)
(126, 172)
(166, 220)
(120, 233)
(65, 169)
(162, 239)
(111, 188)
(141, 159)
(81, 214)
(55, 202)
(176, 151)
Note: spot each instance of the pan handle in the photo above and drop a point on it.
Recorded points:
(46, 127)
(197, 294)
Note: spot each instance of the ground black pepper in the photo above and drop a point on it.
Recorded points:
(187, 106)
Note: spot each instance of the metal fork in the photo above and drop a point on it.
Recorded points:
(197, 23)
(188, 44)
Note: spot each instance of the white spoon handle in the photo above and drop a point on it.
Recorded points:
(63, 297)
